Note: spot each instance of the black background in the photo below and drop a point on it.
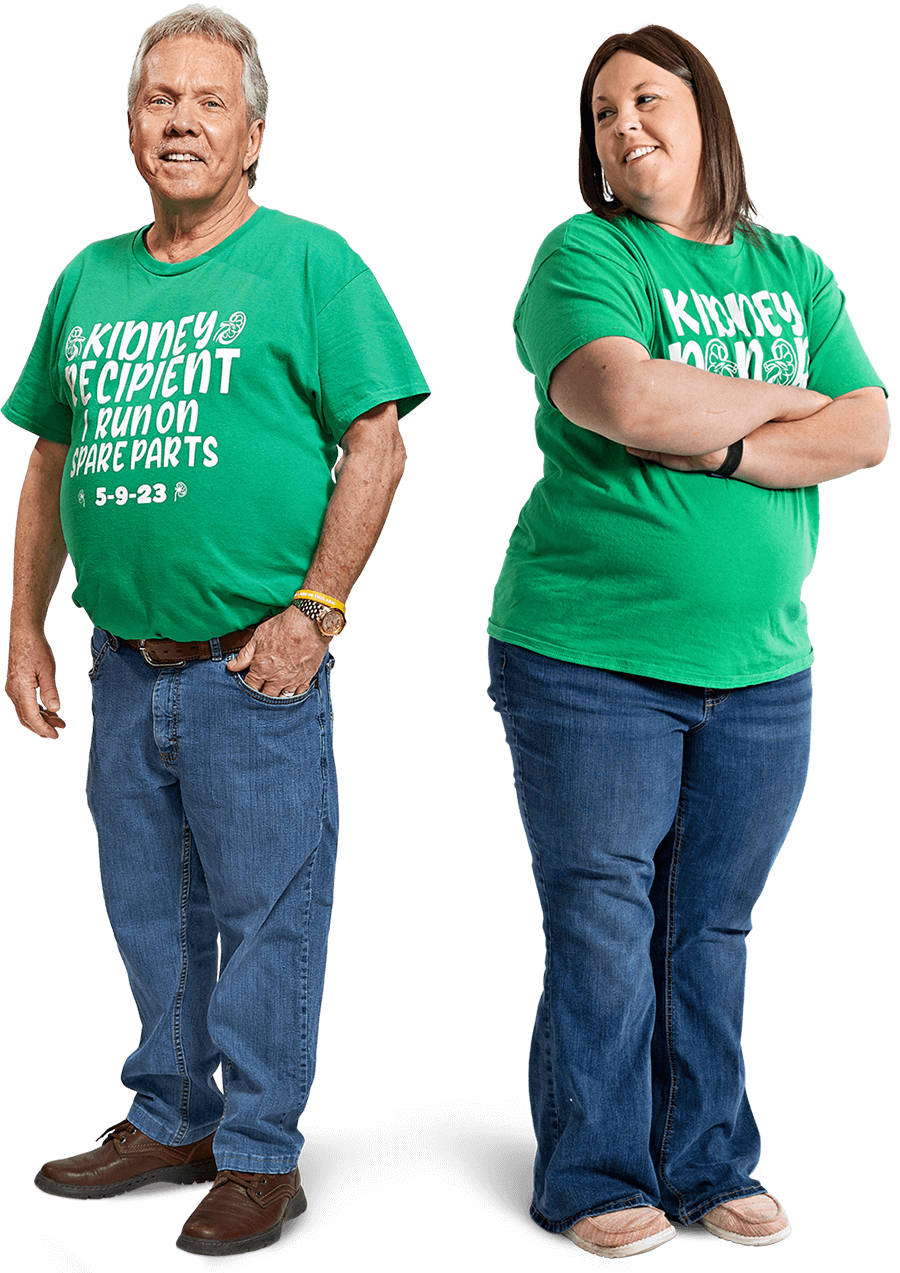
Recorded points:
(443, 159)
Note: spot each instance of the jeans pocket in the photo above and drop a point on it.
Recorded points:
(285, 700)
(101, 643)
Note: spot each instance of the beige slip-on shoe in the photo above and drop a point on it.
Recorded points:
(756, 1221)
(619, 1233)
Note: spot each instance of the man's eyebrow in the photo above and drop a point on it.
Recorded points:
(161, 87)
(637, 88)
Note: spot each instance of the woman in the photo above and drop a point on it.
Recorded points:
(649, 652)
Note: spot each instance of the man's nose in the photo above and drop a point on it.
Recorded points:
(182, 119)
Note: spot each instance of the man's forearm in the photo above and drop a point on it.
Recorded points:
(40, 551)
(370, 471)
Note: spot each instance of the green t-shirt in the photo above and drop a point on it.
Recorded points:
(624, 565)
(203, 404)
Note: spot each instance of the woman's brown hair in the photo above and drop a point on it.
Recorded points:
(725, 188)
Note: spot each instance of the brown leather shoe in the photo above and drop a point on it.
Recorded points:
(127, 1159)
(242, 1212)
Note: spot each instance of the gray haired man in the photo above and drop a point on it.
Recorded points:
(192, 386)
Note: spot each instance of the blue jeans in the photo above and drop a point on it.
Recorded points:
(654, 812)
(216, 813)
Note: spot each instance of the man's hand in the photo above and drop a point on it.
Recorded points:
(32, 667)
(287, 649)
(283, 655)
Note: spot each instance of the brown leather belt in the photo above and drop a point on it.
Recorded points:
(166, 653)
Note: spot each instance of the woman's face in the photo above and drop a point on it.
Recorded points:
(649, 141)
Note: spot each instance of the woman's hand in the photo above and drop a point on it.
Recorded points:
(707, 463)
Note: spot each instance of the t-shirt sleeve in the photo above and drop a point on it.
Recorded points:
(837, 361)
(364, 357)
(576, 296)
(34, 404)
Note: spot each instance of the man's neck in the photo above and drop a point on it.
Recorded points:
(180, 232)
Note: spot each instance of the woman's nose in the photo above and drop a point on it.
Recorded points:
(627, 120)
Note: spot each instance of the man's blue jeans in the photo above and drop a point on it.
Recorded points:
(216, 812)
(654, 812)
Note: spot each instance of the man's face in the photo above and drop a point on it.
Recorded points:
(188, 131)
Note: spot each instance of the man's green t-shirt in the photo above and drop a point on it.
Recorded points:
(620, 564)
(203, 404)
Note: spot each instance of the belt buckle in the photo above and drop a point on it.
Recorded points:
(152, 662)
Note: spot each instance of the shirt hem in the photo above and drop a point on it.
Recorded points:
(659, 672)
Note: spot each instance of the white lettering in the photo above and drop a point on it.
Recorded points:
(226, 356)
(700, 310)
(143, 371)
(93, 345)
(169, 386)
(180, 346)
(157, 331)
(679, 312)
(83, 382)
(113, 338)
(203, 330)
(204, 362)
(738, 306)
(765, 312)
(108, 369)
(132, 329)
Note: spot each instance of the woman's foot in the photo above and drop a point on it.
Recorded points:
(755, 1221)
(622, 1232)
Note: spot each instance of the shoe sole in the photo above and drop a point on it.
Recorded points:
(187, 1174)
(631, 1248)
(745, 1239)
(206, 1246)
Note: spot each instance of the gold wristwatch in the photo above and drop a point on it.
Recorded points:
(327, 613)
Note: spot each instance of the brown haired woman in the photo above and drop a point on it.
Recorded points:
(696, 376)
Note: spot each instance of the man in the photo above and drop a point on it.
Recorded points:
(190, 385)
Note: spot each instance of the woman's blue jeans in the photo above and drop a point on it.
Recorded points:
(216, 812)
(654, 812)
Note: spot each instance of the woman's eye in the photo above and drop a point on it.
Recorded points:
(644, 97)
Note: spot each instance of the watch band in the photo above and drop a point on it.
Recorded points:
(327, 613)
(331, 603)
(732, 460)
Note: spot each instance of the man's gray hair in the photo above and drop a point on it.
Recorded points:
(213, 24)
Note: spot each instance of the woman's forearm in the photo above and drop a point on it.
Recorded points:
(682, 404)
(614, 388)
(848, 434)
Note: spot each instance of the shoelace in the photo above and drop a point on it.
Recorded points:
(112, 1132)
(249, 1182)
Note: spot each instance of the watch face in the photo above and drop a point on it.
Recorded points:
(331, 623)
